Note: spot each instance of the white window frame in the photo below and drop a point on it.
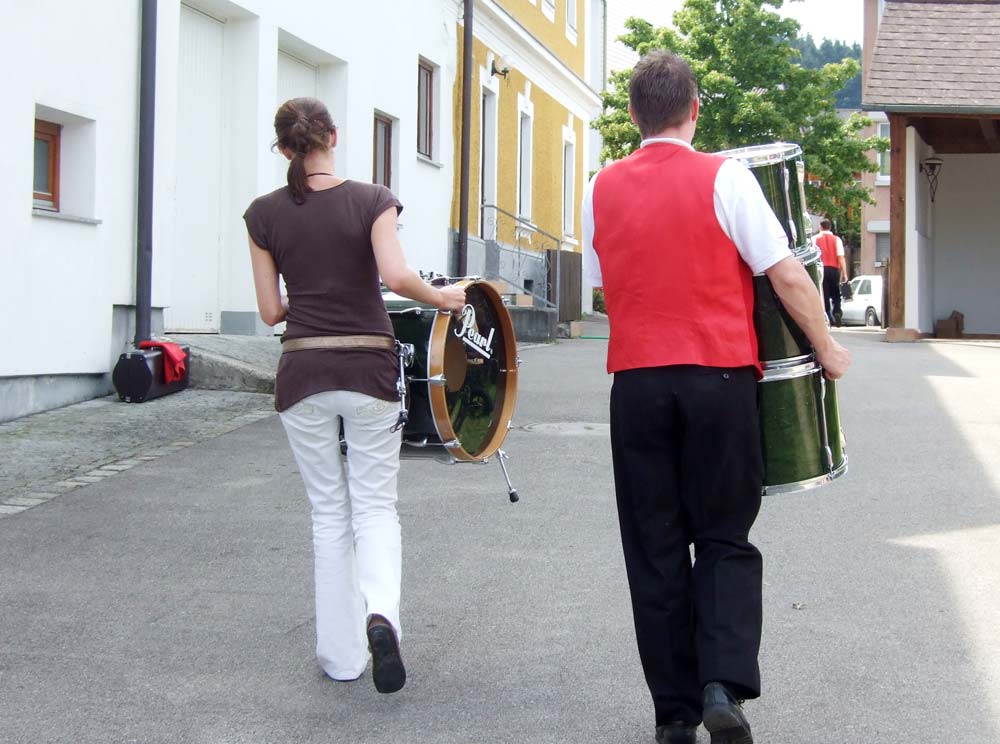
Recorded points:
(569, 179)
(525, 126)
(883, 159)
(434, 113)
(393, 154)
(77, 176)
(572, 21)
(549, 9)
(488, 159)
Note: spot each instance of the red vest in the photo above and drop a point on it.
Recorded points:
(827, 243)
(675, 286)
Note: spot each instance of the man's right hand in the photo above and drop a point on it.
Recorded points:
(834, 359)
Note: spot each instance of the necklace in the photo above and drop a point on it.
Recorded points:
(319, 174)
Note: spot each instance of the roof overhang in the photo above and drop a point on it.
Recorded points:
(918, 110)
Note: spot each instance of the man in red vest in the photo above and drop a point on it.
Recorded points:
(834, 270)
(674, 236)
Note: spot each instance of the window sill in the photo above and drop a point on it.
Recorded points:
(571, 34)
(882, 180)
(570, 240)
(429, 161)
(65, 217)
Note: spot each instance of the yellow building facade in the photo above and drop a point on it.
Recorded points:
(532, 105)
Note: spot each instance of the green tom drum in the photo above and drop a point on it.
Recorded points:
(800, 429)
(781, 172)
(779, 338)
(462, 377)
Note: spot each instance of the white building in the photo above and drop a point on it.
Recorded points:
(68, 279)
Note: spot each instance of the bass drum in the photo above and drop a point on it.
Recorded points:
(462, 377)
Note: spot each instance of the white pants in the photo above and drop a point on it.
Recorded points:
(356, 535)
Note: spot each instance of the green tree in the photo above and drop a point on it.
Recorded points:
(754, 90)
(814, 57)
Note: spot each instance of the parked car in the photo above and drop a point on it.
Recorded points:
(865, 305)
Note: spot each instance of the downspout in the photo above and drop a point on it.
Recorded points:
(144, 198)
(461, 259)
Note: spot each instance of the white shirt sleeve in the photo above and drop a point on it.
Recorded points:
(747, 218)
(591, 264)
(840, 247)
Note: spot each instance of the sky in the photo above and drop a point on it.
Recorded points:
(839, 20)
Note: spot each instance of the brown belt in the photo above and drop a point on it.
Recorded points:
(338, 342)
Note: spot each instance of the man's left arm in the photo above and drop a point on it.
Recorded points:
(842, 260)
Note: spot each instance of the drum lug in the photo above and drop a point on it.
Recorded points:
(517, 362)
(437, 379)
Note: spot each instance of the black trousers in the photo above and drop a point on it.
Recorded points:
(831, 293)
(688, 468)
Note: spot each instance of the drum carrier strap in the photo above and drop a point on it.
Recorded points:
(403, 351)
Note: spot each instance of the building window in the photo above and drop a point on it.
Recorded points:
(882, 247)
(425, 109)
(549, 9)
(46, 177)
(571, 14)
(569, 187)
(524, 168)
(382, 166)
(884, 164)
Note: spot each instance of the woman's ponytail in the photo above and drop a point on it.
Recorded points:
(302, 125)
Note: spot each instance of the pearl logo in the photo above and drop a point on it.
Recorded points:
(470, 335)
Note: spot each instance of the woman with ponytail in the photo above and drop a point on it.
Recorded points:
(332, 239)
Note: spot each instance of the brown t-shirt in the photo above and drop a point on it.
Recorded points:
(323, 249)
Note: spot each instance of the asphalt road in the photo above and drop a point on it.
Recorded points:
(171, 601)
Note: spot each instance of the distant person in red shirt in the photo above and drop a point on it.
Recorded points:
(674, 237)
(834, 270)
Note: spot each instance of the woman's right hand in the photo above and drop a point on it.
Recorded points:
(452, 297)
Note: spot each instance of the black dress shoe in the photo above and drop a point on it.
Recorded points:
(388, 672)
(676, 733)
(723, 716)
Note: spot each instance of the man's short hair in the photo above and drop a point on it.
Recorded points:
(825, 224)
(661, 91)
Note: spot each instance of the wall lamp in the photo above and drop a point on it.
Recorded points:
(503, 69)
(931, 167)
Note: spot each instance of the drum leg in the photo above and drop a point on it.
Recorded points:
(405, 353)
(511, 491)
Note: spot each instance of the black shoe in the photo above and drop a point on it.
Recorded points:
(838, 319)
(723, 716)
(388, 671)
(676, 733)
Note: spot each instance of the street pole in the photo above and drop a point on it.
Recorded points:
(144, 208)
(461, 258)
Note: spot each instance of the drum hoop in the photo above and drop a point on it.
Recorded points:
(435, 369)
(809, 483)
(778, 374)
(786, 363)
(757, 155)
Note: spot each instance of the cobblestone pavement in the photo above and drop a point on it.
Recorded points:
(54, 452)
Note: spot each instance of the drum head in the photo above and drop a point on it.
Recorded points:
(758, 155)
(475, 353)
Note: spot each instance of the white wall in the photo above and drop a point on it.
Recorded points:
(967, 236)
(60, 278)
(920, 244)
(353, 82)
